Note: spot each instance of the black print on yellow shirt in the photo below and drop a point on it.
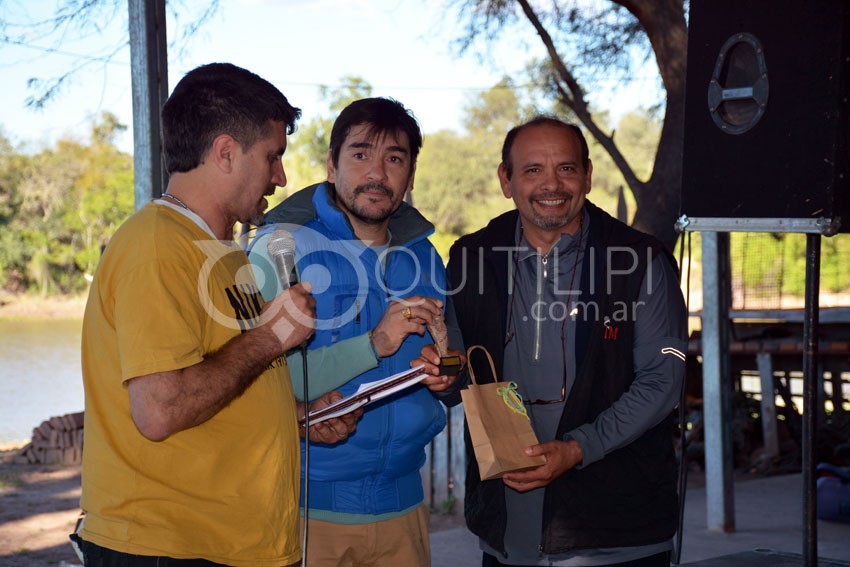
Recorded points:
(247, 304)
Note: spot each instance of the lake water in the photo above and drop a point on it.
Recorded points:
(40, 374)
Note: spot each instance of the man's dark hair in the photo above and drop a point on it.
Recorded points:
(216, 99)
(385, 116)
(542, 120)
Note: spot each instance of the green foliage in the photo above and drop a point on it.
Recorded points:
(456, 183)
(457, 186)
(637, 135)
(13, 253)
(777, 263)
(759, 259)
(835, 264)
(443, 241)
(492, 113)
(305, 161)
(768, 270)
(11, 166)
(59, 207)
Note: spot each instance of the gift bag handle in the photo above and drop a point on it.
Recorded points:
(489, 358)
(508, 393)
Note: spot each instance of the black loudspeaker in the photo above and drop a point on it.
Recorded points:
(766, 116)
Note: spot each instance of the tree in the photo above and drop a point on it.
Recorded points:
(59, 207)
(12, 249)
(305, 163)
(456, 184)
(88, 18)
(637, 134)
(604, 35)
(102, 196)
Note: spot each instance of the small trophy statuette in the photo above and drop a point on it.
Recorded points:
(450, 365)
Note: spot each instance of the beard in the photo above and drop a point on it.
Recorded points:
(551, 222)
(372, 214)
(258, 217)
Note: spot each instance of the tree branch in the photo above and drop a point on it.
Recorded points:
(664, 22)
(572, 95)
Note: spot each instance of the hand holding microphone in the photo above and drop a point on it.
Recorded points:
(292, 314)
(281, 248)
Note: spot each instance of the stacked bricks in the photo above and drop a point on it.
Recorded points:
(57, 441)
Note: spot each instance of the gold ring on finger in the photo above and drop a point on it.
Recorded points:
(406, 313)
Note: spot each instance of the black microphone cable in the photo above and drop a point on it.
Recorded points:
(281, 247)
(306, 454)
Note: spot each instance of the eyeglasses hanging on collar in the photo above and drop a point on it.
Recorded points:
(563, 397)
(511, 333)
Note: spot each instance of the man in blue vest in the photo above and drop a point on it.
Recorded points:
(378, 282)
(586, 315)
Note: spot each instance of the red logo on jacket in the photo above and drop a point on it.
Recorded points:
(610, 330)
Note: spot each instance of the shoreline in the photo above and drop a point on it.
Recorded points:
(24, 306)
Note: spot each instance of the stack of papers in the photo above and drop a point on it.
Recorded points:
(368, 393)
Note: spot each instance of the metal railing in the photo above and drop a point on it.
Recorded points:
(444, 472)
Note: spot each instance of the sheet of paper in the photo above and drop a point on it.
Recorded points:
(370, 392)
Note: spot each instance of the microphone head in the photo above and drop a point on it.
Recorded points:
(281, 248)
(281, 243)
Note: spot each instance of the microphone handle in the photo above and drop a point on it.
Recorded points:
(288, 277)
(285, 265)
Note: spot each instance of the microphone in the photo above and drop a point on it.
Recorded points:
(281, 248)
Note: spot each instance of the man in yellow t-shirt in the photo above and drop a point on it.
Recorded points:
(192, 449)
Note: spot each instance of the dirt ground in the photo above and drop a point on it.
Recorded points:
(39, 506)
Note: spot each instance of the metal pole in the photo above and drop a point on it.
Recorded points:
(717, 383)
(810, 400)
(148, 57)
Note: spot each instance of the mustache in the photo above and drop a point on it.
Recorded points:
(373, 186)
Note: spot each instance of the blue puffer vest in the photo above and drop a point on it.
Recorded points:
(376, 470)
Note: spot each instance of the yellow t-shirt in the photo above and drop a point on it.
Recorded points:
(166, 294)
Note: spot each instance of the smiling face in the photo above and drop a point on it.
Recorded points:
(372, 175)
(260, 173)
(548, 182)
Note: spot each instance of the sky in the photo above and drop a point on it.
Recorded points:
(403, 48)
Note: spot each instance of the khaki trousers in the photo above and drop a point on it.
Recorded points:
(399, 542)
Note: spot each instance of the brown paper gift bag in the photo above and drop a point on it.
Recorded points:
(498, 425)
